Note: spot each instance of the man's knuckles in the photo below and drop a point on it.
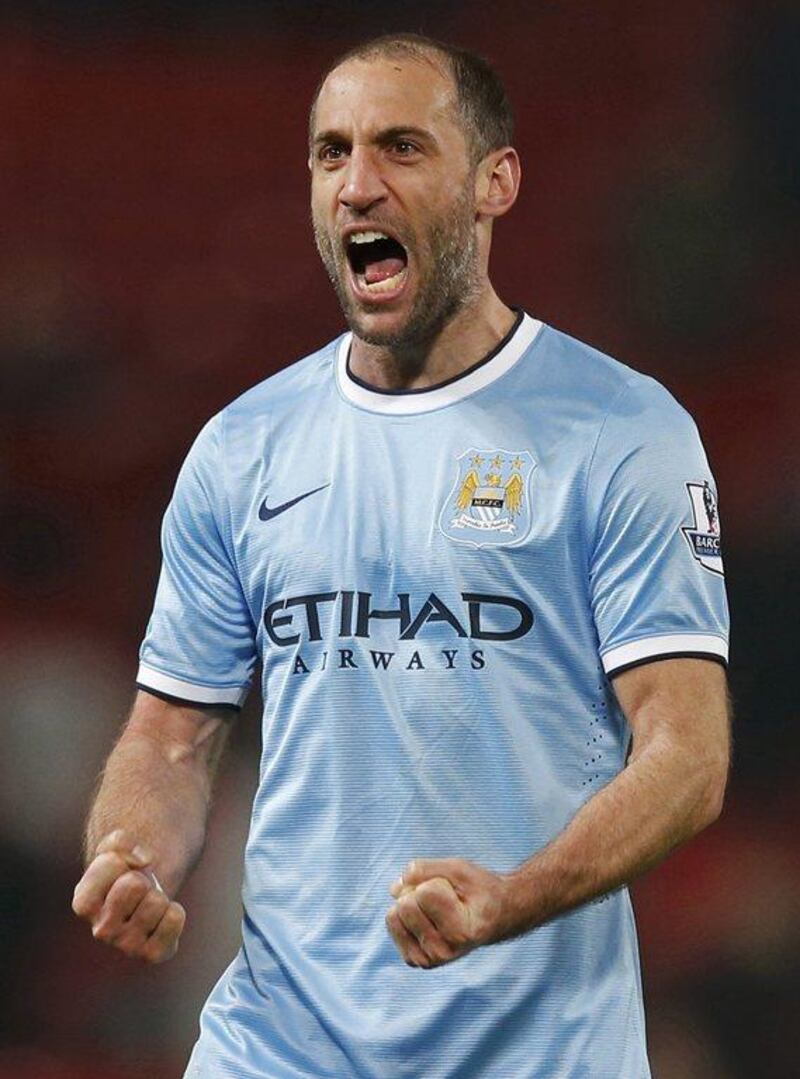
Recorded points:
(138, 946)
(84, 904)
(108, 862)
(138, 939)
(89, 897)
(128, 891)
(102, 872)
(170, 925)
(131, 904)
(163, 943)
(440, 902)
(438, 892)
(151, 909)
(105, 932)
(438, 950)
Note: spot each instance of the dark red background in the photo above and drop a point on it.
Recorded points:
(157, 259)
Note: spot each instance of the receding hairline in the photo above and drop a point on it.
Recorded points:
(399, 48)
(478, 102)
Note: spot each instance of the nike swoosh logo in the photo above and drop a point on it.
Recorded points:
(266, 513)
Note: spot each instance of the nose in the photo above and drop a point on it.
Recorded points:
(362, 183)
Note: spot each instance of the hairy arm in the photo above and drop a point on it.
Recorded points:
(147, 825)
(672, 788)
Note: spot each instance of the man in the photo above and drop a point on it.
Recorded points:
(476, 558)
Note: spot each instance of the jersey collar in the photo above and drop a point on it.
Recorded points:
(407, 402)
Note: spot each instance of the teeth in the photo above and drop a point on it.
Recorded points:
(366, 237)
(388, 284)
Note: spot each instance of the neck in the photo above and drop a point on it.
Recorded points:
(469, 336)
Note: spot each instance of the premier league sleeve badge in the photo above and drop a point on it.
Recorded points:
(703, 536)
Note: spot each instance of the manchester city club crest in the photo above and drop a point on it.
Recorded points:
(489, 503)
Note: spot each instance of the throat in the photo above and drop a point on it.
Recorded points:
(400, 367)
(393, 362)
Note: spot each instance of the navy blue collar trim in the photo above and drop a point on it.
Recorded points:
(448, 381)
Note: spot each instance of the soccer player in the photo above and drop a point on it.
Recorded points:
(480, 562)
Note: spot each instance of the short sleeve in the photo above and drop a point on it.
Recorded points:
(655, 558)
(200, 641)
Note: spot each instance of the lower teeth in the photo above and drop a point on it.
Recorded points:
(387, 284)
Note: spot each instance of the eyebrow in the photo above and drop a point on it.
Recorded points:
(387, 135)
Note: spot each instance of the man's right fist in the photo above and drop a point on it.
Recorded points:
(119, 896)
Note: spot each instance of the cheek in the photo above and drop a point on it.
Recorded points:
(321, 224)
(316, 209)
(323, 201)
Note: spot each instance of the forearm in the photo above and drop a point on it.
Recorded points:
(672, 787)
(663, 798)
(157, 786)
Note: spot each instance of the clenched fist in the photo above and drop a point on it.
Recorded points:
(120, 898)
(444, 908)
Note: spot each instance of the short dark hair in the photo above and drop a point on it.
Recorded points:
(480, 95)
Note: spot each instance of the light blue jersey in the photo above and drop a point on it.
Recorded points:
(439, 584)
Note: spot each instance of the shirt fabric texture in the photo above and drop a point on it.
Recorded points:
(439, 585)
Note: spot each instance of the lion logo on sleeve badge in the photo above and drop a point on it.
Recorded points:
(489, 502)
(703, 536)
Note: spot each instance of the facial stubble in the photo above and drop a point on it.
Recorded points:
(449, 283)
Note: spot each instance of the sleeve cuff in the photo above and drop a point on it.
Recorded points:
(159, 682)
(671, 645)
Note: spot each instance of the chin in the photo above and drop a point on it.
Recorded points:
(380, 330)
(413, 323)
(377, 327)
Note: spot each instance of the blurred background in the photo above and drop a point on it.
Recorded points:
(156, 260)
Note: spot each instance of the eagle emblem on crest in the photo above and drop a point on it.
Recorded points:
(489, 503)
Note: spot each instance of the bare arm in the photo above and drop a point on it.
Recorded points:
(147, 825)
(671, 789)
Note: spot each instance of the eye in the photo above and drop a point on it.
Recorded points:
(331, 152)
(404, 148)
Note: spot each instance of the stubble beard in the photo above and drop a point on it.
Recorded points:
(449, 284)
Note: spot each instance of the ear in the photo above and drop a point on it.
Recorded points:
(497, 182)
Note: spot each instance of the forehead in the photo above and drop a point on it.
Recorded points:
(364, 95)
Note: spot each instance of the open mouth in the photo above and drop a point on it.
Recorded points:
(379, 263)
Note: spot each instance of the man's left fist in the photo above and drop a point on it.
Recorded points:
(446, 907)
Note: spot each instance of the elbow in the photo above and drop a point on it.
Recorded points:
(711, 796)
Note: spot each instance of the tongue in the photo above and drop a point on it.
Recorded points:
(382, 269)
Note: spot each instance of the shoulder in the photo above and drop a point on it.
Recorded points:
(293, 383)
(289, 394)
(608, 389)
(240, 425)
